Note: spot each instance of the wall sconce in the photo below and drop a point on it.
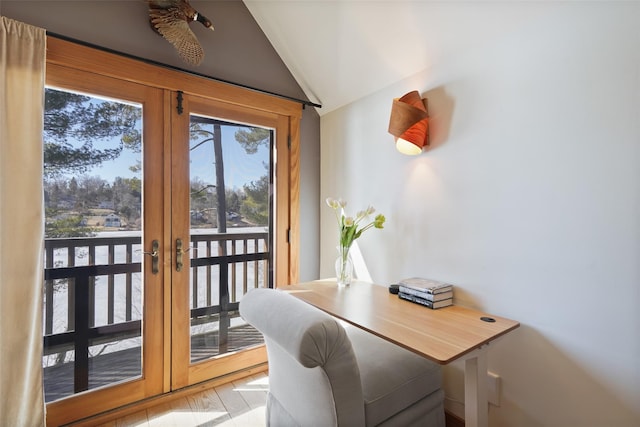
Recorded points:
(409, 123)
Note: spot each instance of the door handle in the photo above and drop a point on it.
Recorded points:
(155, 256)
(179, 253)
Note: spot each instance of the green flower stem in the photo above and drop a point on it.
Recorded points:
(348, 226)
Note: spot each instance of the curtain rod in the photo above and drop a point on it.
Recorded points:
(171, 67)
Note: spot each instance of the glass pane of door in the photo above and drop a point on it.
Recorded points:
(93, 301)
(230, 188)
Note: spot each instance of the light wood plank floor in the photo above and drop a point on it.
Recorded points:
(240, 403)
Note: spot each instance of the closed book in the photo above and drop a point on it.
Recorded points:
(426, 302)
(431, 297)
(426, 285)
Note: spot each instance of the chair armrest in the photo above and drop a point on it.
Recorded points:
(309, 335)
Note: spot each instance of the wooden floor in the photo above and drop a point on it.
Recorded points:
(237, 404)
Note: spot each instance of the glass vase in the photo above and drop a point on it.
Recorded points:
(344, 267)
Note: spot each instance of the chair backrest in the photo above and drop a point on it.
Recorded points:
(313, 373)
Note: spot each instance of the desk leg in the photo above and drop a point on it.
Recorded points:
(476, 406)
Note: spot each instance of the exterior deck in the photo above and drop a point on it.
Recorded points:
(93, 301)
(122, 365)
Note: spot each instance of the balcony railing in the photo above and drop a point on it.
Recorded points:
(93, 289)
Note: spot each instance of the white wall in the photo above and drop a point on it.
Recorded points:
(528, 201)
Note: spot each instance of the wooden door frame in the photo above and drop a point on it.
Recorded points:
(80, 58)
(183, 372)
(83, 405)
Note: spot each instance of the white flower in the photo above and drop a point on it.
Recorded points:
(348, 226)
(332, 203)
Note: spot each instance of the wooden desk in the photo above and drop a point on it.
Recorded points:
(442, 335)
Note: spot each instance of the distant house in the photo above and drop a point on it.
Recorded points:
(112, 220)
(197, 216)
(106, 205)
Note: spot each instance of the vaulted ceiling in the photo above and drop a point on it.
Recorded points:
(342, 50)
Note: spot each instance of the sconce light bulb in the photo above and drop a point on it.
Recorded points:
(408, 148)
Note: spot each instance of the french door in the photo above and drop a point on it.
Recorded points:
(210, 274)
(170, 242)
(103, 314)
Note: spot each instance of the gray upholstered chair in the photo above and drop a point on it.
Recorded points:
(324, 374)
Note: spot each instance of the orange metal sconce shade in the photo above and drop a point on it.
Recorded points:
(409, 123)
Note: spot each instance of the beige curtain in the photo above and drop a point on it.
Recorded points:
(22, 67)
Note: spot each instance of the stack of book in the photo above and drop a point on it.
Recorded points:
(430, 293)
